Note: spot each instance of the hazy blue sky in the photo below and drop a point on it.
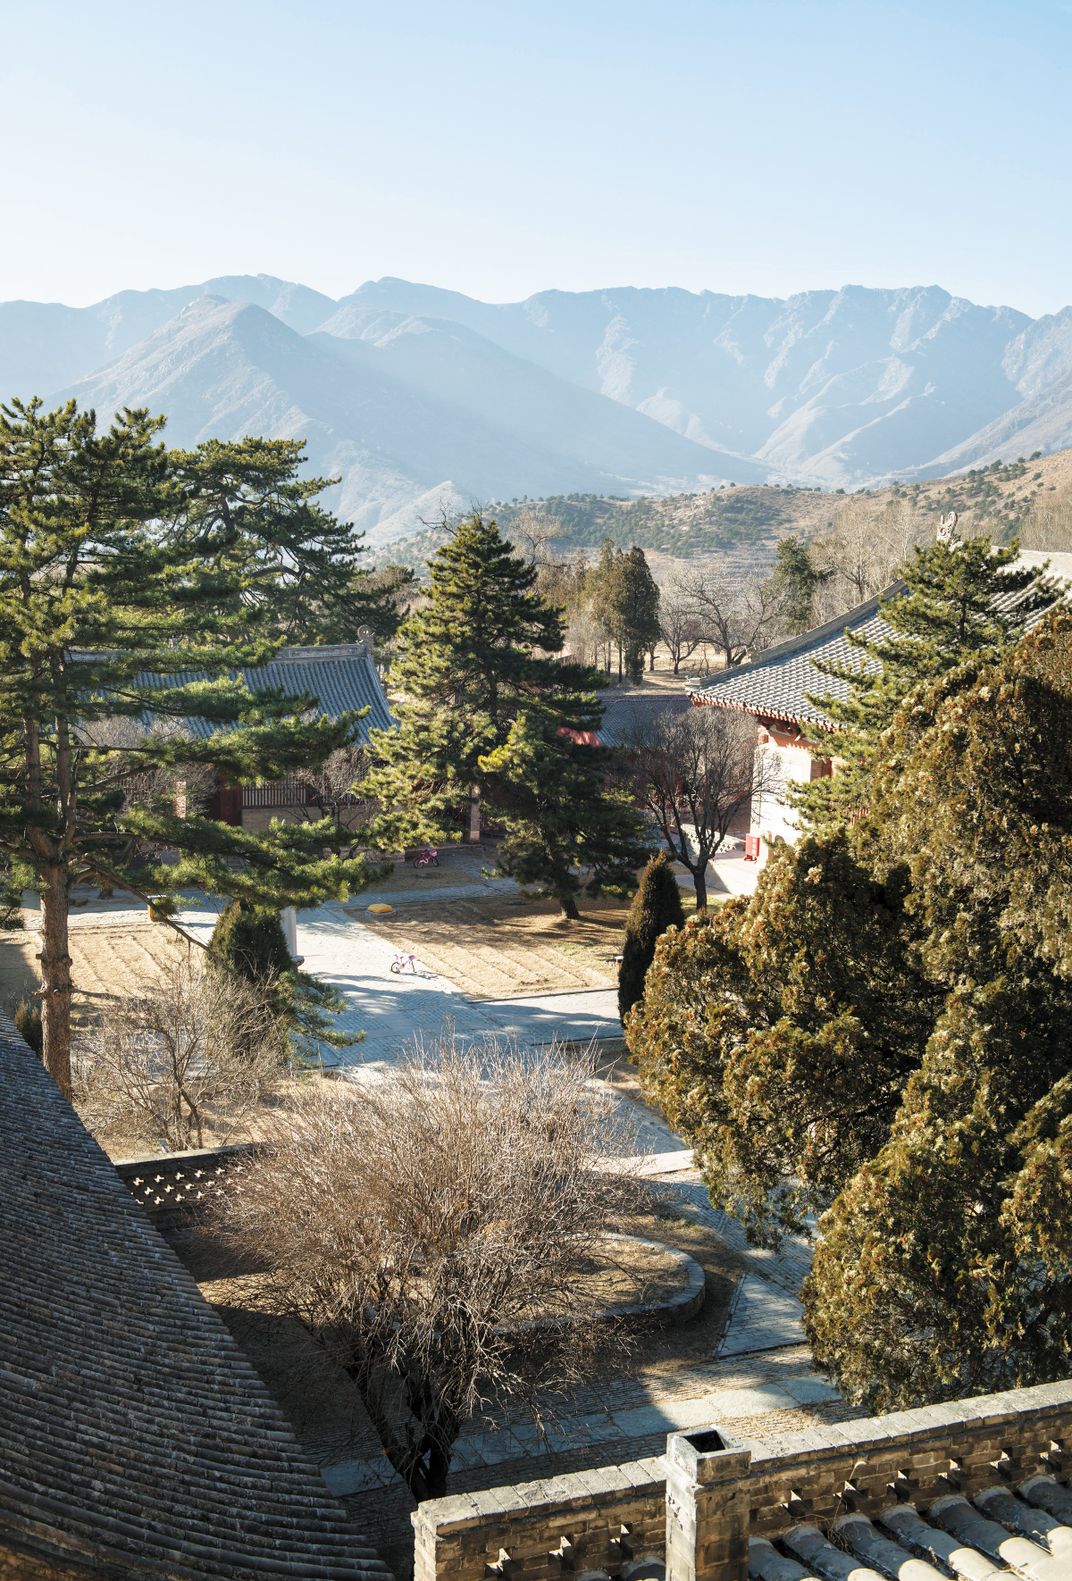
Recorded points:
(505, 146)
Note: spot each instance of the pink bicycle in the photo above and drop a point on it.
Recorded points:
(427, 856)
(404, 960)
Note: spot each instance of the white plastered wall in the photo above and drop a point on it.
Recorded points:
(776, 767)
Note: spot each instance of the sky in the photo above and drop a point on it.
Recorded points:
(502, 147)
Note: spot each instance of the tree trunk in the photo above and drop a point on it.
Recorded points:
(431, 1483)
(55, 958)
(568, 904)
(700, 880)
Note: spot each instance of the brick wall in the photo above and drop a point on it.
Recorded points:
(176, 1187)
(698, 1506)
(602, 1520)
(867, 1465)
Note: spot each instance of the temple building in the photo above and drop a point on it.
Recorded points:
(783, 690)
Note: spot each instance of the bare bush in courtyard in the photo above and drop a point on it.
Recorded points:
(430, 1230)
(198, 1049)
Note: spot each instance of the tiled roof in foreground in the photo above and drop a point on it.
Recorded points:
(136, 1440)
(784, 682)
(341, 676)
(780, 683)
(1004, 1531)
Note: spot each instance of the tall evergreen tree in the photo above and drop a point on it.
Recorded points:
(259, 521)
(959, 600)
(945, 1265)
(120, 559)
(656, 907)
(490, 715)
(777, 1035)
(626, 603)
(880, 1036)
(794, 582)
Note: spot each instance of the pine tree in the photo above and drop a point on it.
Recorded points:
(794, 583)
(489, 715)
(119, 560)
(656, 907)
(299, 566)
(626, 603)
(959, 600)
(249, 941)
(566, 827)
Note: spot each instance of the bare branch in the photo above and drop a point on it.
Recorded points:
(425, 1227)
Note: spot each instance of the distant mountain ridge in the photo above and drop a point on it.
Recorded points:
(421, 399)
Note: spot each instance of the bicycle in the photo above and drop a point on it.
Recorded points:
(404, 958)
(427, 856)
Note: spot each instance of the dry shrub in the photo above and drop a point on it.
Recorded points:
(198, 1049)
(425, 1227)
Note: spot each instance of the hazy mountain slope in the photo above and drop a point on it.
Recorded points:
(837, 386)
(421, 394)
(44, 345)
(224, 369)
(1038, 362)
(455, 364)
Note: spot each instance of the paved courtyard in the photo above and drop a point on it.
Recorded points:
(758, 1375)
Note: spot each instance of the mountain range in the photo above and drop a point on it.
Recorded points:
(422, 400)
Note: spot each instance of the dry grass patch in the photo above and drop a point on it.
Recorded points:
(109, 961)
(506, 948)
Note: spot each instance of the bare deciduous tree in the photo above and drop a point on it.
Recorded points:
(739, 618)
(696, 773)
(330, 788)
(200, 1048)
(186, 786)
(680, 623)
(429, 1231)
(865, 550)
(534, 534)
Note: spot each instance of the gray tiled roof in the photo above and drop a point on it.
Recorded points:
(136, 1440)
(630, 717)
(779, 683)
(342, 677)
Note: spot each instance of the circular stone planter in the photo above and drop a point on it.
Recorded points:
(674, 1290)
(676, 1297)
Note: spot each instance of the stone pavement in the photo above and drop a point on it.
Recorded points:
(743, 1394)
(787, 1267)
(762, 1317)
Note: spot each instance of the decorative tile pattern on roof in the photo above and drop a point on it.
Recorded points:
(1001, 1532)
(342, 677)
(136, 1440)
